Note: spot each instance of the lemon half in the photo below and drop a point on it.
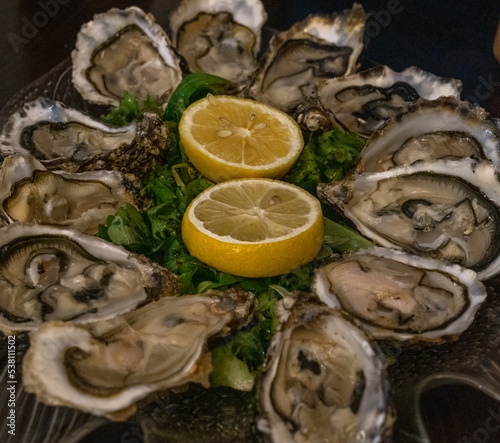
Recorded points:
(227, 137)
(254, 227)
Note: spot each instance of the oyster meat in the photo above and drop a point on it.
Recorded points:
(445, 209)
(361, 102)
(65, 138)
(106, 367)
(49, 273)
(323, 380)
(445, 128)
(393, 294)
(221, 38)
(124, 50)
(30, 193)
(321, 46)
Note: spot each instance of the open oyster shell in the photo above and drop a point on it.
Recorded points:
(445, 209)
(323, 380)
(64, 138)
(361, 102)
(445, 128)
(396, 295)
(49, 273)
(32, 194)
(124, 50)
(321, 46)
(217, 37)
(106, 367)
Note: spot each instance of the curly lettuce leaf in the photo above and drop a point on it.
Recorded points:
(129, 227)
(325, 157)
(130, 109)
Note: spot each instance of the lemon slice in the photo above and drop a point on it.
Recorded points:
(227, 137)
(253, 227)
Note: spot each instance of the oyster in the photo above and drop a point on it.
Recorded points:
(81, 201)
(221, 38)
(65, 138)
(106, 367)
(445, 209)
(361, 102)
(393, 294)
(321, 46)
(322, 380)
(49, 273)
(312, 116)
(445, 128)
(124, 50)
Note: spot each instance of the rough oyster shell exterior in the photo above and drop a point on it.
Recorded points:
(89, 145)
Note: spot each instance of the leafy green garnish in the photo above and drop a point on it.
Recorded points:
(341, 238)
(326, 156)
(193, 87)
(156, 232)
(129, 227)
(130, 109)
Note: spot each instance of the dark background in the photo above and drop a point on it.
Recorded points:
(450, 38)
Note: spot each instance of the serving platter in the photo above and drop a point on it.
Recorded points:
(470, 365)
